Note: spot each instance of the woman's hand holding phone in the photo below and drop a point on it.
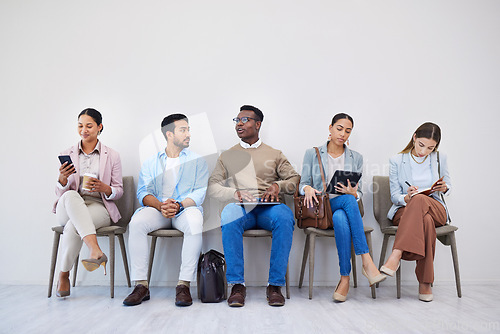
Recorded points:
(65, 171)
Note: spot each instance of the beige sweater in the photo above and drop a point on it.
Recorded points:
(253, 170)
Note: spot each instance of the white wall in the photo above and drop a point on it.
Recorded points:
(392, 65)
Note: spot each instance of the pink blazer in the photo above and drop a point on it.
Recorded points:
(110, 172)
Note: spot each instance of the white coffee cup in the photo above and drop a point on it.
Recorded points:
(86, 181)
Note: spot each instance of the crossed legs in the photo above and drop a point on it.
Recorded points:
(416, 237)
(80, 218)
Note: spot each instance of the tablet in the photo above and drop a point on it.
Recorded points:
(258, 202)
(341, 176)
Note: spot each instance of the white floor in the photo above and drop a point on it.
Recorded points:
(26, 309)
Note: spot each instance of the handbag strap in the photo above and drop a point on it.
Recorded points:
(442, 196)
(321, 169)
(322, 174)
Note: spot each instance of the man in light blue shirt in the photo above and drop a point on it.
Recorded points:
(171, 190)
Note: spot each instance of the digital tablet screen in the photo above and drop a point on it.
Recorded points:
(341, 176)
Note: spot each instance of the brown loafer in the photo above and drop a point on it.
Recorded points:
(274, 296)
(237, 297)
(137, 296)
(182, 295)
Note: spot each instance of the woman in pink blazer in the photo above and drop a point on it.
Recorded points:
(81, 209)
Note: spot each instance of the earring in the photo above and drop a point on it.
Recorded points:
(329, 136)
(347, 142)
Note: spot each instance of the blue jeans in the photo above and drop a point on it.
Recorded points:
(235, 220)
(347, 224)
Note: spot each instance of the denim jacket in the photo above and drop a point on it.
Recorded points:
(311, 173)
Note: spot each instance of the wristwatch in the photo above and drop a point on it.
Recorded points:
(181, 207)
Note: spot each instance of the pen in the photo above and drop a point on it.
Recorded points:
(409, 185)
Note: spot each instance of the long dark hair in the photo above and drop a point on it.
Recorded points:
(96, 116)
(427, 130)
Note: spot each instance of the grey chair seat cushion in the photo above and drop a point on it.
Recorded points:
(111, 229)
(257, 233)
(330, 232)
(390, 230)
(442, 230)
(445, 229)
(58, 229)
(100, 231)
(166, 232)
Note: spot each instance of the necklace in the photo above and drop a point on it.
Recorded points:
(416, 159)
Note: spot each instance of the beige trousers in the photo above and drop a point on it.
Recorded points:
(80, 216)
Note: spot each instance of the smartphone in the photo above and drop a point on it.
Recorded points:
(65, 158)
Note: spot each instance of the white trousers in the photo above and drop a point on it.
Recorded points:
(80, 217)
(148, 219)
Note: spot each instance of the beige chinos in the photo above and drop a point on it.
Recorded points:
(80, 216)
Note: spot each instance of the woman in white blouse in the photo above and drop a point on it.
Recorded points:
(419, 166)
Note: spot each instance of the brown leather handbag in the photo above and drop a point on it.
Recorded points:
(318, 216)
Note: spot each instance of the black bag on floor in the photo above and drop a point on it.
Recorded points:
(212, 286)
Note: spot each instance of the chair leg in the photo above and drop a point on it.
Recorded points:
(53, 260)
(287, 282)
(112, 264)
(151, 257)
(124, 257)
(454, 255)
(75, 269)
(354, 272)
(304, 260)
(312, 244)
(382, 252)
(368, 236)
(398, 282)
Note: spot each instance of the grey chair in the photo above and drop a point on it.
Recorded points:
(261, 233)
(381, 205)
(160, 233)
(126, 207)
(169, 233)
(309, 251)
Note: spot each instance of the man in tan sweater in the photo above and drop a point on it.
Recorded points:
(254, 172)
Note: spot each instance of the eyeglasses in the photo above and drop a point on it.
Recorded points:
(243, 120)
